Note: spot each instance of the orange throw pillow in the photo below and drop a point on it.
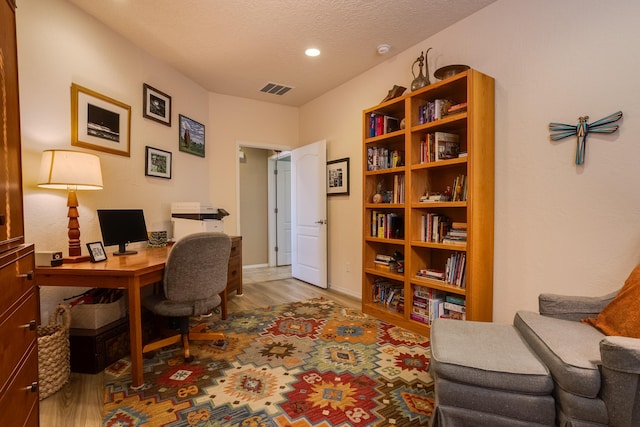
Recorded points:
(621, 317)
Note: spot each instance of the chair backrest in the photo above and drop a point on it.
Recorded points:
(197, 267)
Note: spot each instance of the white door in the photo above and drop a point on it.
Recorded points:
(309, 214)
(283, 215)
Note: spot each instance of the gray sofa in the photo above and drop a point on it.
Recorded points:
(596, 378)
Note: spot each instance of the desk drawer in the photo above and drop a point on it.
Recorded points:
(20, 400)
(14, 329)
(14, 264)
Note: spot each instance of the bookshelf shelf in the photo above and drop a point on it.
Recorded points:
(435, 151)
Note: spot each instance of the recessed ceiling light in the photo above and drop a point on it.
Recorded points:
(312, 52)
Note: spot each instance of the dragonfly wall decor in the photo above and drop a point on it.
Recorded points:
(582, 129)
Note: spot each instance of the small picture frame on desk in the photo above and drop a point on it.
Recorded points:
(96, 251)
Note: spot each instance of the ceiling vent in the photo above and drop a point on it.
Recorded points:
(275, 89)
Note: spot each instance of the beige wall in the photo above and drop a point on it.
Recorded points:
(59, 45)
(254, 206)
(558, 227)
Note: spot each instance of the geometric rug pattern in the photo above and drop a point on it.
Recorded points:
(305, 364)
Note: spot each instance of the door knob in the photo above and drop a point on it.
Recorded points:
(322, 221)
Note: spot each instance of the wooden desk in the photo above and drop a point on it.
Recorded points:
(130, 272)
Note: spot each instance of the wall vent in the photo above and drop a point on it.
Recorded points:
(275, 89)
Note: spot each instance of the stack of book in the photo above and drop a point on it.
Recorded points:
(385, 262)
(456, 234)
(454, 308)
(431, 273)
(427, 304)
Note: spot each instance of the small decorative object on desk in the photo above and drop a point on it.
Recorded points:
(53, 352)
(157, 239)
(420, 80)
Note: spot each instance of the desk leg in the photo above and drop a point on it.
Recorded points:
(135, 333)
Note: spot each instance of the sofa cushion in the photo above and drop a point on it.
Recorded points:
(489, 355)
(621, 317)
(571, 350)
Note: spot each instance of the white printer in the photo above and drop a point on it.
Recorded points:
(195, 217)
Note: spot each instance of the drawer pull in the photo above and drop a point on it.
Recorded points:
(31, 325)
(33, 387)
(28, 276)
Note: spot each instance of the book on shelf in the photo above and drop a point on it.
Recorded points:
(433, 110)
(455, 269)
(459, 188)
(456, 299)
(456, 108)
(433, 227)
(391, 124)
(380, 158)
(379, 124)
(431, 273)
(447, 145)
(388, 293)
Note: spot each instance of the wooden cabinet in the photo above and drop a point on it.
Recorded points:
(405, 190)
(18, 299)
(234, 272)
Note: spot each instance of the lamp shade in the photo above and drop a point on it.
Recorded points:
(63, 169)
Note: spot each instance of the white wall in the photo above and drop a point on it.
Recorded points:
(558, 227)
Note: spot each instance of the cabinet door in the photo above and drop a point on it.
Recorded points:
(11, 219)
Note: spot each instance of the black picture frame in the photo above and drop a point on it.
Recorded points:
(96, 251)
(157, 162)
(191, 136)
(156, 105)
(99, 122)
(338, 177)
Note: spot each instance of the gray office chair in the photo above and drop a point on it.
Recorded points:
(195, 273)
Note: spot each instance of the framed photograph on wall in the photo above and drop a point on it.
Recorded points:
(156, 105)
(157, 163)
(99, 122)
(96, 251)
(338, 177)
(191, 136)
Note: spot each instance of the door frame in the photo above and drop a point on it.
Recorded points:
(258, 145)
(271, 188)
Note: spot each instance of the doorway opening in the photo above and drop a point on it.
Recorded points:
(264, 205)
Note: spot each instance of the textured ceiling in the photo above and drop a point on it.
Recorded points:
(235, 47)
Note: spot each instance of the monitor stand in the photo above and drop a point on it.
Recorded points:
(122, 250)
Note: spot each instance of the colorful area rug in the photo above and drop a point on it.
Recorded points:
(310, 363)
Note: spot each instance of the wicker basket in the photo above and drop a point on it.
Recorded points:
(53, 352)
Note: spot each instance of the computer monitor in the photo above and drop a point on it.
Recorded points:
(121, 227)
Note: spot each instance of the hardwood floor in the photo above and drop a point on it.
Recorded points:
(79, 403)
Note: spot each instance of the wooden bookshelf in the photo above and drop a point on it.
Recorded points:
(475, 130)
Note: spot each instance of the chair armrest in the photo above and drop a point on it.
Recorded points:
(621, 379)
(572, 307)
(621, 354)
